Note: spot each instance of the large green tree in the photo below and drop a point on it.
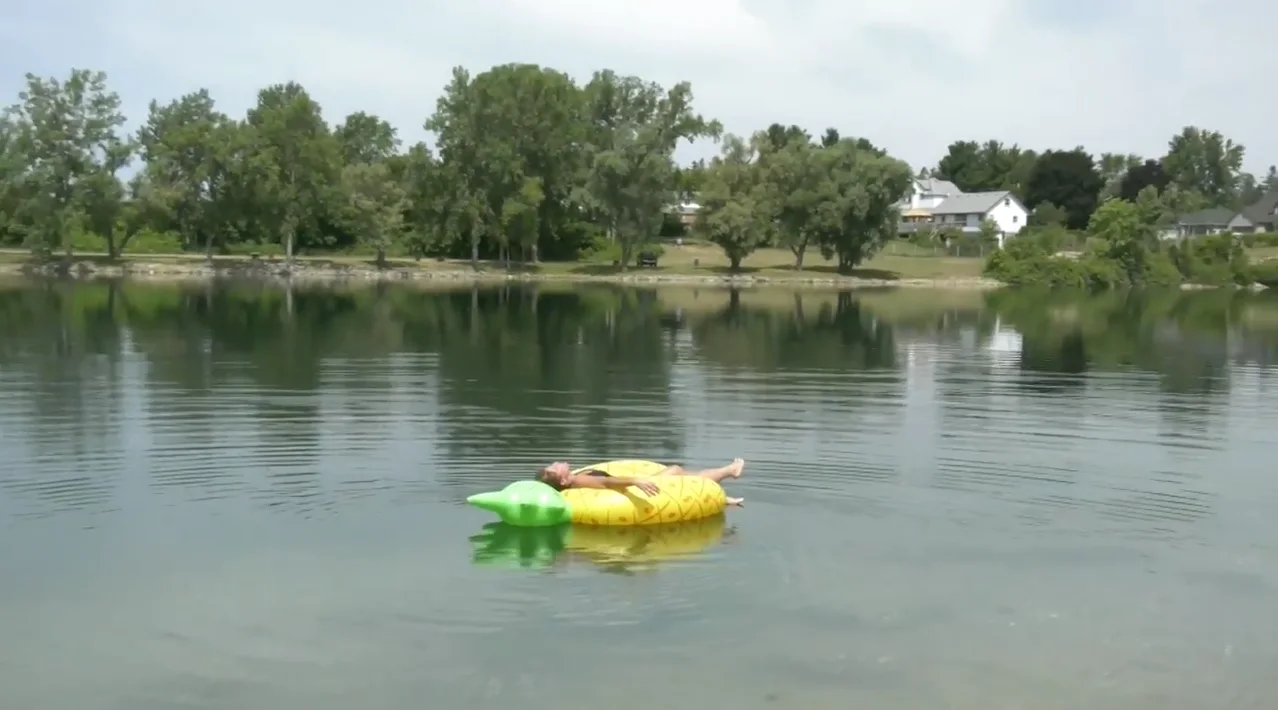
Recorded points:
(633, 128)
(514, 140)
(1113, 168)
(190, 150)
(790, 191)
(303, 163)
(1149, 173)
(376, 203)
(732, 214)
(365, 138)
(1068, 179)
(980, 167)
(858, 213)
(1205, 162)
(68, 134)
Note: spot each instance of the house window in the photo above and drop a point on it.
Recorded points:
(1007, 201)
(1015, 218)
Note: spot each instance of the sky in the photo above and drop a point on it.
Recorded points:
(910, 75)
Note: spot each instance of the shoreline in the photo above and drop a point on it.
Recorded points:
(310, 272)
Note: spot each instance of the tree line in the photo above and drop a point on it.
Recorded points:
(1200, 169)
(525, 161)
(1118, 207)
(527, 164)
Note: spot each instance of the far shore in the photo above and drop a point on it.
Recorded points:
(920, 272)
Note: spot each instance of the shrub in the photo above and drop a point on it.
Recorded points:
(1216, 260)
(1265, 273)
(149, 241)
(601, 249)
(247, 248)
(82, 241)
(1263, 239)
(1029, 260)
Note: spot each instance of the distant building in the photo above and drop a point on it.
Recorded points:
(940, 205)
(927, 193)
(1259, 216)
(686, 211)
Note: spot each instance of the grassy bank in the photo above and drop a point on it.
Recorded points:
(686, 263)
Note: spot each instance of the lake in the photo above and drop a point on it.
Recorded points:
(245, 497)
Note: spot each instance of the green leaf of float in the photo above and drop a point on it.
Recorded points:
(525, 504)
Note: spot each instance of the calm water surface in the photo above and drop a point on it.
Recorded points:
(246, 498)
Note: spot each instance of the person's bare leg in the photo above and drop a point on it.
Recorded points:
(732, 470)
(738, 502)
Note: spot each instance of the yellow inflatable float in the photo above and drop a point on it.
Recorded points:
(679, 499)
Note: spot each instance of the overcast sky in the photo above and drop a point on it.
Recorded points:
(910, 75)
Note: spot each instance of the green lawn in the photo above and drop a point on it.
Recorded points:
(695, 259)
(689, 259)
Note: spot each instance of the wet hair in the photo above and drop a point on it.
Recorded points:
(544, 475)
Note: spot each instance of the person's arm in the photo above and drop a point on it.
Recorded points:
(616, 483)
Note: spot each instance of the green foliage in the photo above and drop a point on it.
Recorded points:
(1265, 273)
(84, 241)
(1204, 162)
(66, 135)
(149, 241)
(1148, 174)
(532, 165)
(1047, 214)
(1068, 179)
(981, 167)
(988, 234)
(1216, 260)
(600, 249)
(732, 203)
(375, 206)
(1261, 239)
(265, 249)
(840, 196)
(1031, 260)
(1123, 251)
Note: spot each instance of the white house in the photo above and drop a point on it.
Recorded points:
(928, 193)
(939, 204)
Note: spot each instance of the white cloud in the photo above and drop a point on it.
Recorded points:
(912, 75)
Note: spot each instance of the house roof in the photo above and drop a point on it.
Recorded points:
(1262, 211)
(937, 186)
(1210, 217)
(971, 202)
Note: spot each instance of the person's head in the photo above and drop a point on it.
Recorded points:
(556, 474)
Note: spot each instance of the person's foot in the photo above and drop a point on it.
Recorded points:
(735, 468)
(738, 502)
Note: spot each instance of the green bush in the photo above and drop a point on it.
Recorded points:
(82, 241)
(600, 249)
(148, 241)
(1265, 273)
(247, 248)
(1216, 260)
(1032, 260)
(1263, 239)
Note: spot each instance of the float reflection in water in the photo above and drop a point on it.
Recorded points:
(502, 544)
